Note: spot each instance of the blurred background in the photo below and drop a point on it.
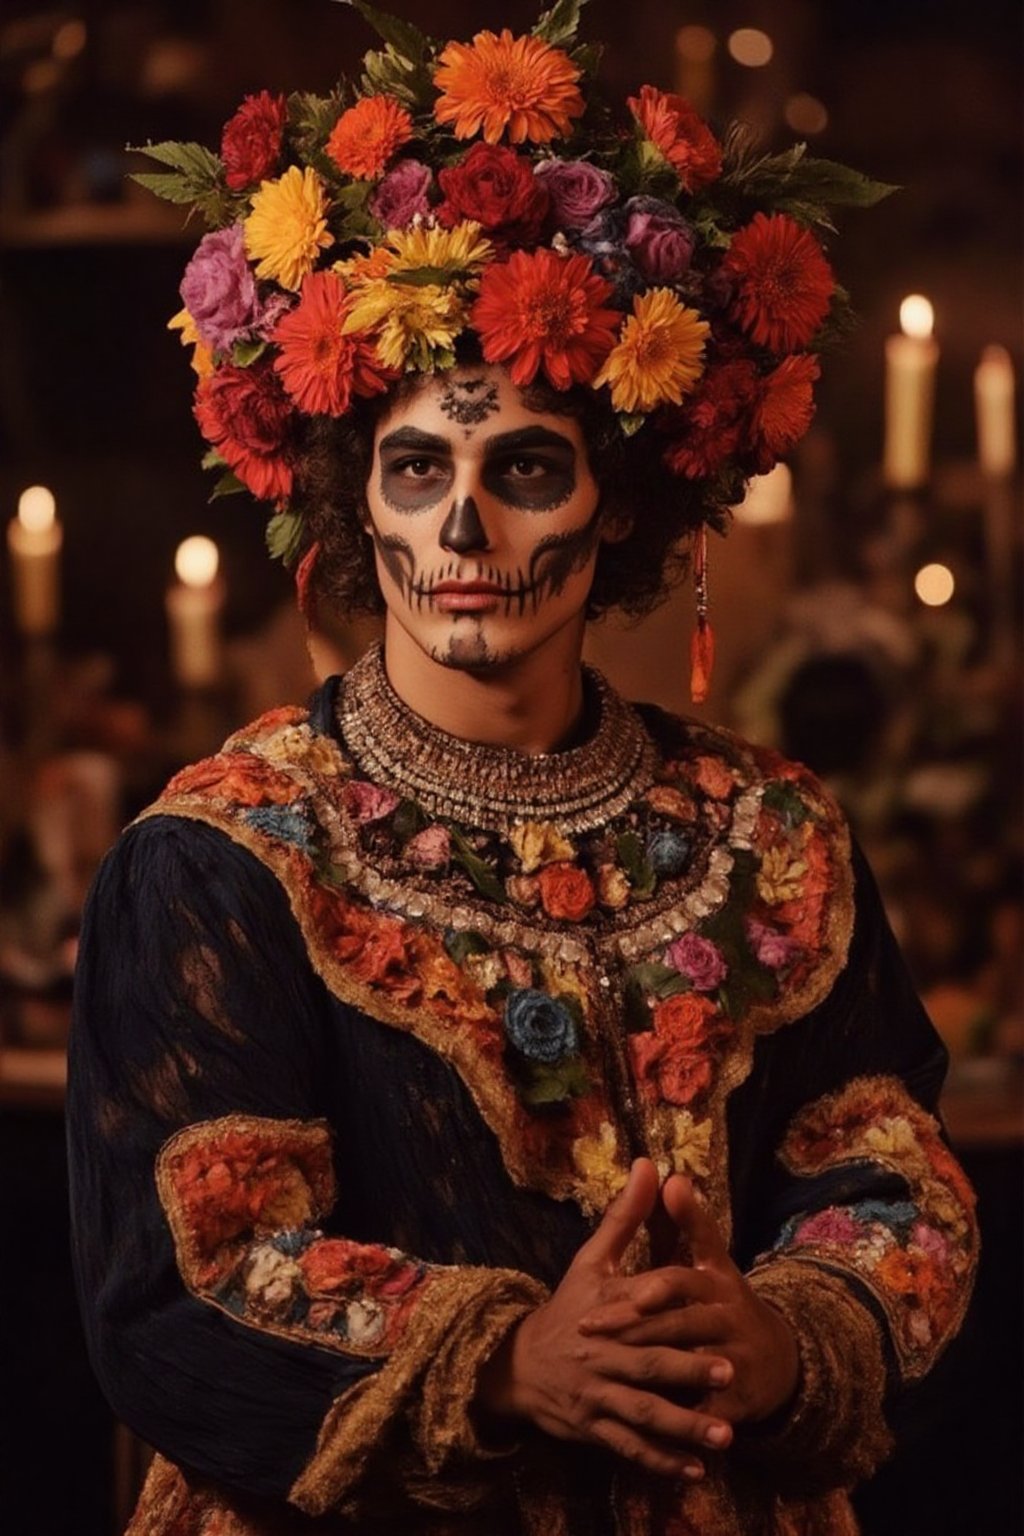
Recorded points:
(867, 600)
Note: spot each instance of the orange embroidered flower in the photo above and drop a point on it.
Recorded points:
(566, 892)
(682, 136)
(237, 776)
(320, 367)
(539, 310)
(712, 776)
(365, 137)
(783, 284)
(688, 1020)
(908, 1274)
(495, 83)
(669, 801)
(336, 1263)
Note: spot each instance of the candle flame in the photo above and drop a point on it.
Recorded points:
(751, 46)
(917, 317)
(196, 561)
(934, 585)
(37, 509)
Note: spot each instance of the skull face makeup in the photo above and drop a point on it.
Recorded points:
(486, 520)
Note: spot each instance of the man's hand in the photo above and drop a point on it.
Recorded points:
(606, 1389)
(705, 1306)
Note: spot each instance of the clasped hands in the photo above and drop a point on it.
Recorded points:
(654, 1366)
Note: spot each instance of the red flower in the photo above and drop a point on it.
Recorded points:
(336, 1263)
(687, 1021)
(250, 145)
(783, 284)
(541, 310)
(246, 415)
(713, 425)
(683, 137)
(497, 188)
(321, 368)
(785, 409)
(676, 1058)
(566, 892)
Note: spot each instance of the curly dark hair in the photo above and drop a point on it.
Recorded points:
(634, 574)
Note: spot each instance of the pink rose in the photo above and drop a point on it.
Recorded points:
(219, 289)
(658, 239)
(402, 194)
(833, 1225)
(771, 948)
(430, 849)
(368, 802)
(698, 959)
(578, 190)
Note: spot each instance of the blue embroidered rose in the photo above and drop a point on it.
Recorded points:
(540, 1027)
(281, 821)
(668, 853)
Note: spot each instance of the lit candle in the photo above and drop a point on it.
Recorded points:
(911, 358)
(769, 498)
(994, 409)
(34, 539)
(193, 613)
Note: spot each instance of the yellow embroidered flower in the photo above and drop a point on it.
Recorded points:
(691, 1144)
(596, 1159)
(539, 842)
(561, 981)
(894, 1137)
(659, 355)
(457, 252)
(416, 326)
(780, 877)
(613, 889)
(306, 748)
(202, 355)
(287, 228)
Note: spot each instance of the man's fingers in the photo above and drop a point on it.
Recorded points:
(656, 1418)
(694, 1221)
(682, 1328)
(644, 1452)
(631, 1299)
(624, 1217)
(666, 1371)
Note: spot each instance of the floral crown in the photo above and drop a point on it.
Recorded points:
(484, 188)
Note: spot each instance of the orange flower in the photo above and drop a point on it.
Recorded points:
(712, 776)
(521, 84)
(783, 284)
(236, 776)
(683, 138)
(687, 1020)
(320, 367)
(786, 406)
(566, 891)
(542, 310)
(365, 137)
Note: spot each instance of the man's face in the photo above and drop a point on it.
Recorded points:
(485, 518)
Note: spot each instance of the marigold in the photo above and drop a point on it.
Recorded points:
(320, 367)
(202, 355)
(496, 83)
(365, 137)
(542, 310)
(785, 408)
(659, 356)
(360, 269)
(783, 284)
(681, 134)
(287, 228)
(415, 326)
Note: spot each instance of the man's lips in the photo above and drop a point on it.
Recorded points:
(461, 588)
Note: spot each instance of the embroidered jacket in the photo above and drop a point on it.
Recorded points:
(370, 1024)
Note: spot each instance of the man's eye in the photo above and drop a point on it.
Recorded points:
(416, 469)
(525, 468)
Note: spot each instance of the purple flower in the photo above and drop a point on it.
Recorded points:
(402, 194)
(271, 311)
(578, 190)
(603, 239)
(772, 948)
(698, 959)
(658, 239)
(219, 289)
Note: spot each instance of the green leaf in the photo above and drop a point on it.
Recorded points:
(631, 424)
(553, 1083)
(635, 862)
(784, 800)
(244, 353)
(658, 980)
(213, 460)
(587, 57)
(311, 118)
(460, 943)
(407, 820)
(169, 185)
(480, 872)
(408, 40)
(794, 182)
(228, 485)
(560, 24)
(353, 195)
(196, 176)
(188, 158)
(284, 535)
(387, 72)
(423, 277)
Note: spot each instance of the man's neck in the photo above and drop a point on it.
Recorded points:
(532, 704)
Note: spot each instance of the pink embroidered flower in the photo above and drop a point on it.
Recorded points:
(698, 959)
(518, 968)
(771, 948)
(833, 1225)
(930, 1242)
(368, 802)
(430, 849)
(524, 890)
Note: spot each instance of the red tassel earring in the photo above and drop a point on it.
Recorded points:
(702, 641)
(303, 583)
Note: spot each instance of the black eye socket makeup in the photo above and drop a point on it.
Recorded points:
(531, 469)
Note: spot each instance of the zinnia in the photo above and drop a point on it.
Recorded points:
(785, 408)
(244, 413)
(539, 310)
(495, 83)
(250, 145)
(365, 137)
(659, 356)
(714, 423)
(783, 284)
(287, 228)
(320, 366)
(682, 136)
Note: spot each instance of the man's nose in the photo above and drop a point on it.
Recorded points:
(462, 530)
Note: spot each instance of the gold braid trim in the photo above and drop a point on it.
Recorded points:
(428, 1386)
(835, 1434)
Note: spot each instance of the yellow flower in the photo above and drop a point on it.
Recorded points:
(539, 842)
(495, 83)
(596, 1159)
(780, 877)
(691, 1144)
(659, 355)
(458, 251)
(417, 325)
(287, 228)
(360, 269)
(202, 355)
